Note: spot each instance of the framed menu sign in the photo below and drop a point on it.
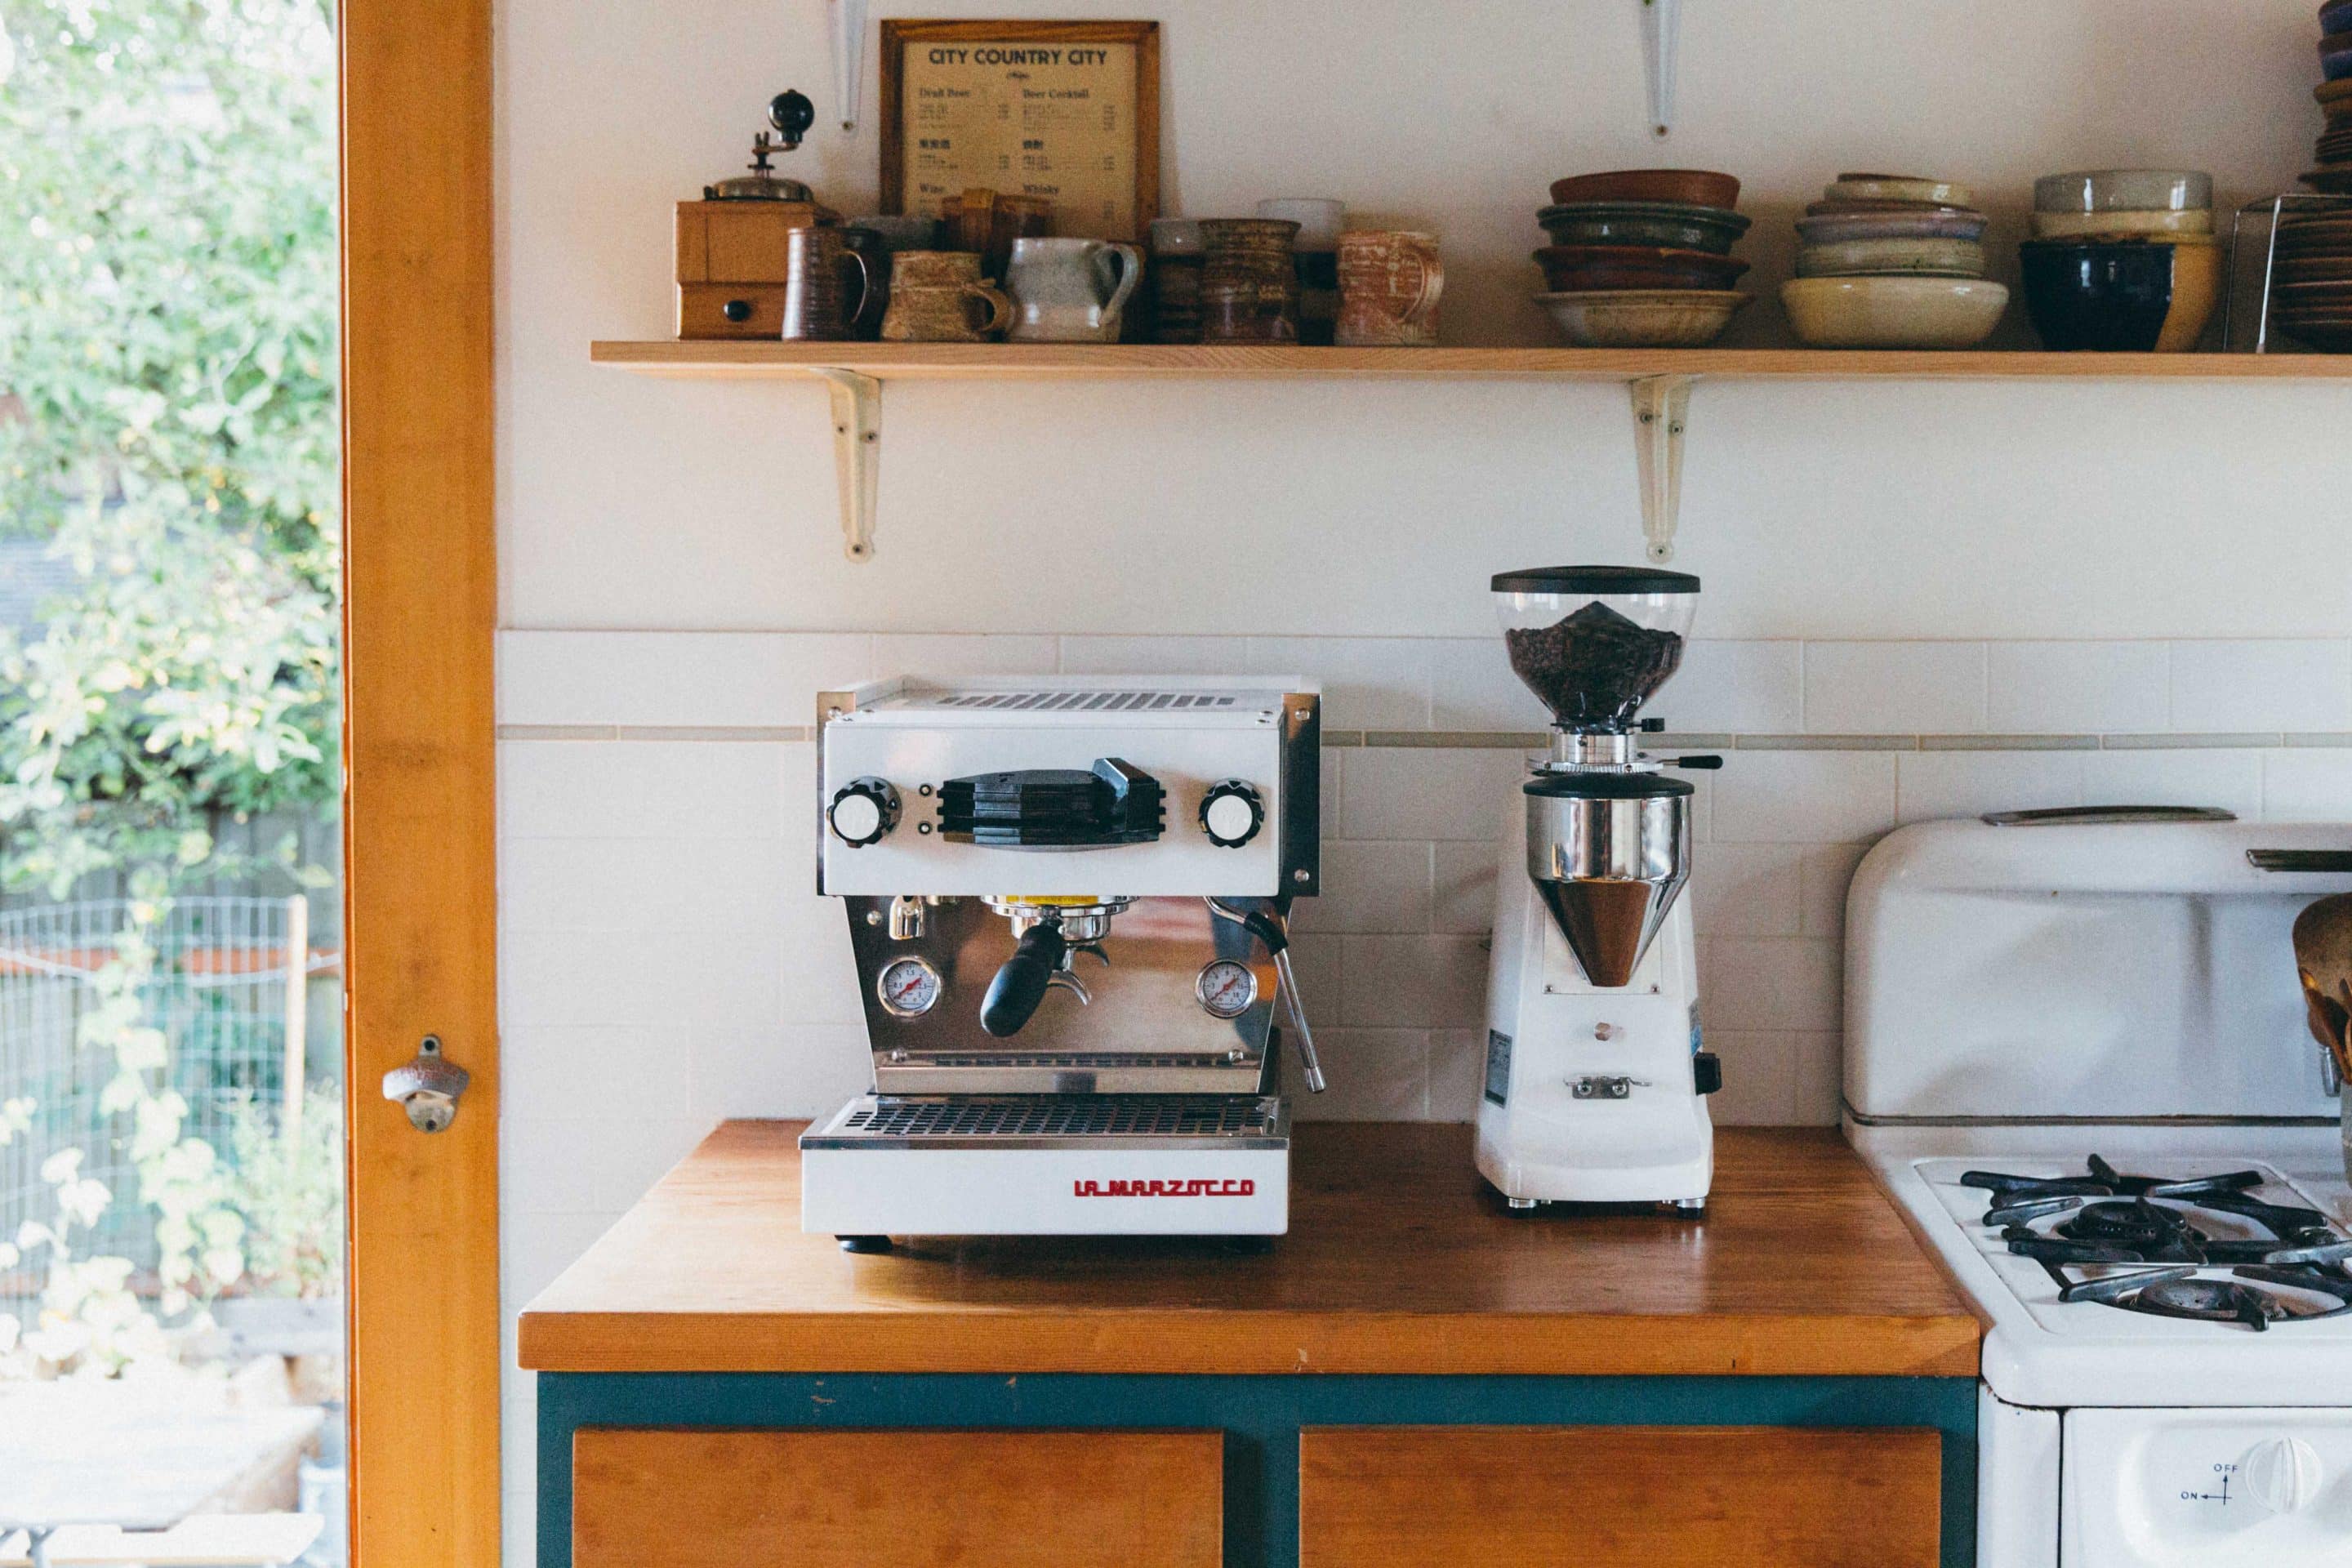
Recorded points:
(1065, 111)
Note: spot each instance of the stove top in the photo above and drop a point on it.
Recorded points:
(2220, 1247)
(2191, 1251)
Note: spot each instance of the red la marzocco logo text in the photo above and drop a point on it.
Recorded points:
(1199, 1187)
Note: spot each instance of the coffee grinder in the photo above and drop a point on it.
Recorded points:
(1596, 1083)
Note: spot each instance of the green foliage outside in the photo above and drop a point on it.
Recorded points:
(167, 423)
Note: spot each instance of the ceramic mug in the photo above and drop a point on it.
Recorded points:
(1390, 280)
(1174, 278)
(818, 304)
(1249, 291)
(1070, 291)
(937, 297)
(1315, 256)
(865, 322)
(987, 222)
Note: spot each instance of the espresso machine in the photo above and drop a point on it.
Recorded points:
(1596, 1080)
(1068, 898)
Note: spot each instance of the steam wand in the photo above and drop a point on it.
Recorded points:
(1273, 928)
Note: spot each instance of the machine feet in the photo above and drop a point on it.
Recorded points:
(1686, 1208)
(863, 1242)
(1522, 1203)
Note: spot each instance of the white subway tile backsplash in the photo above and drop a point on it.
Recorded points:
(1381, 887)
(1113, 654)
(2231, 687)
(2231, 780)
(1745, 889)
(1769, 982)
(805, 1069)
(1374, 1075)
(1457, 1073)
(2077, 687)
(672, 678)
(1471, 688)
(563, 1071)
(1753, 687)
(1803, 797)
(950, 654)
(1895, 688)
(1820, 1078)
(1759, 1077)
(1438, 982)
(1931, 786)
(1421, 792)
(1827, 873)
(1368, 683)
(2307, 785)
(579, 978)
(1462, 898)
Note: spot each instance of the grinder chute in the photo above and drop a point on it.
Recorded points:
(1607, 833)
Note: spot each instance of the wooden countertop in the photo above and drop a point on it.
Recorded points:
(1399, 1261)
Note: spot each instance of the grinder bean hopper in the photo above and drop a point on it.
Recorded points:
(1596, 1079)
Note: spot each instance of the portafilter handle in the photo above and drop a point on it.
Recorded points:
(1013, 996)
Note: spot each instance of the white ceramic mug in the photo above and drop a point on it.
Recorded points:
(1070, 291)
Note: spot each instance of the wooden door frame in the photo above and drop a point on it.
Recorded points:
(419, 805)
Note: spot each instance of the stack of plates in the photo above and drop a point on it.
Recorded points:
(1891, 261)
(2333, 151)
(2311, 282)
(1641, 257)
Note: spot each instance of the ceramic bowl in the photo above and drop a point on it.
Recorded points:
(1893, 313)
(1673, 225)
(2109, 190)
(1898, 188)
(2120, 296)
(1690, 187)
(2335, 182)
(1852, 258)
(2336, 16)
(2123, 222)
(1569, 267)
(2335, 56)
(1913, 222)
(1643, 318)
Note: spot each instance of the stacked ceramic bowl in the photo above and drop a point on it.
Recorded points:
(1891, 261)
(2122, 260)
(2334, 175)
(1641, 257)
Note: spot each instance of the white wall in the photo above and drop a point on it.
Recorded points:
(1879, 560)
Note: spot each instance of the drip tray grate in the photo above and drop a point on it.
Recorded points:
(1045, 1117)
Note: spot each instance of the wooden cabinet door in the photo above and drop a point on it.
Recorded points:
(1619, 1497)
(899, 1498)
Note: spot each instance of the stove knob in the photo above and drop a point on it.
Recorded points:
(2282, 1473)
(863, 810)
(1231, 814)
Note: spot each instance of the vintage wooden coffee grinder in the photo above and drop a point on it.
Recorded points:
(731, 245)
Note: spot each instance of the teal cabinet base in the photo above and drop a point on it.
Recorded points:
(1260, 1416)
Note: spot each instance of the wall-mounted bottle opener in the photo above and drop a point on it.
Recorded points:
(428, 1086)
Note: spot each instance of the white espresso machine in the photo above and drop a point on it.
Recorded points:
(1068, 898)
(1596, 1082)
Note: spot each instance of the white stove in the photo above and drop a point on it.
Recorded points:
(2077, 1059)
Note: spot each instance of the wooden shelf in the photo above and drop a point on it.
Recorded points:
(1056, 362)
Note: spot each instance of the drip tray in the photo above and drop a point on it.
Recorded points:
(1041, 1120)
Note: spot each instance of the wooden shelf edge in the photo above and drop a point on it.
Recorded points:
(1050, 362)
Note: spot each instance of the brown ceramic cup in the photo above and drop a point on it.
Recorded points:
(1390, 280)
(1249, 288)
(937, 297)
(987, 222)
(821, 304)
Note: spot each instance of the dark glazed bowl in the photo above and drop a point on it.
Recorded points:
(2108, 298)
(1692, 188)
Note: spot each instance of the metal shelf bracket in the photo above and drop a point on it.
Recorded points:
(857, 454)
(1661, 412)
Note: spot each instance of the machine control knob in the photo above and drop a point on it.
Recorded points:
(2282, 1473)
(863, 810)
(1231, 814)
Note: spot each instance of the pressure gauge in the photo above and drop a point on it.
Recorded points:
(908, 988)
(1226, 989)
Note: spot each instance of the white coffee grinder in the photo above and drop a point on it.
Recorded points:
(1596, 1084)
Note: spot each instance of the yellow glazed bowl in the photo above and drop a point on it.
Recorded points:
(1893, 313)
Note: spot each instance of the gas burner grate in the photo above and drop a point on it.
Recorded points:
(1108, 1116)
(2099, 1223)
